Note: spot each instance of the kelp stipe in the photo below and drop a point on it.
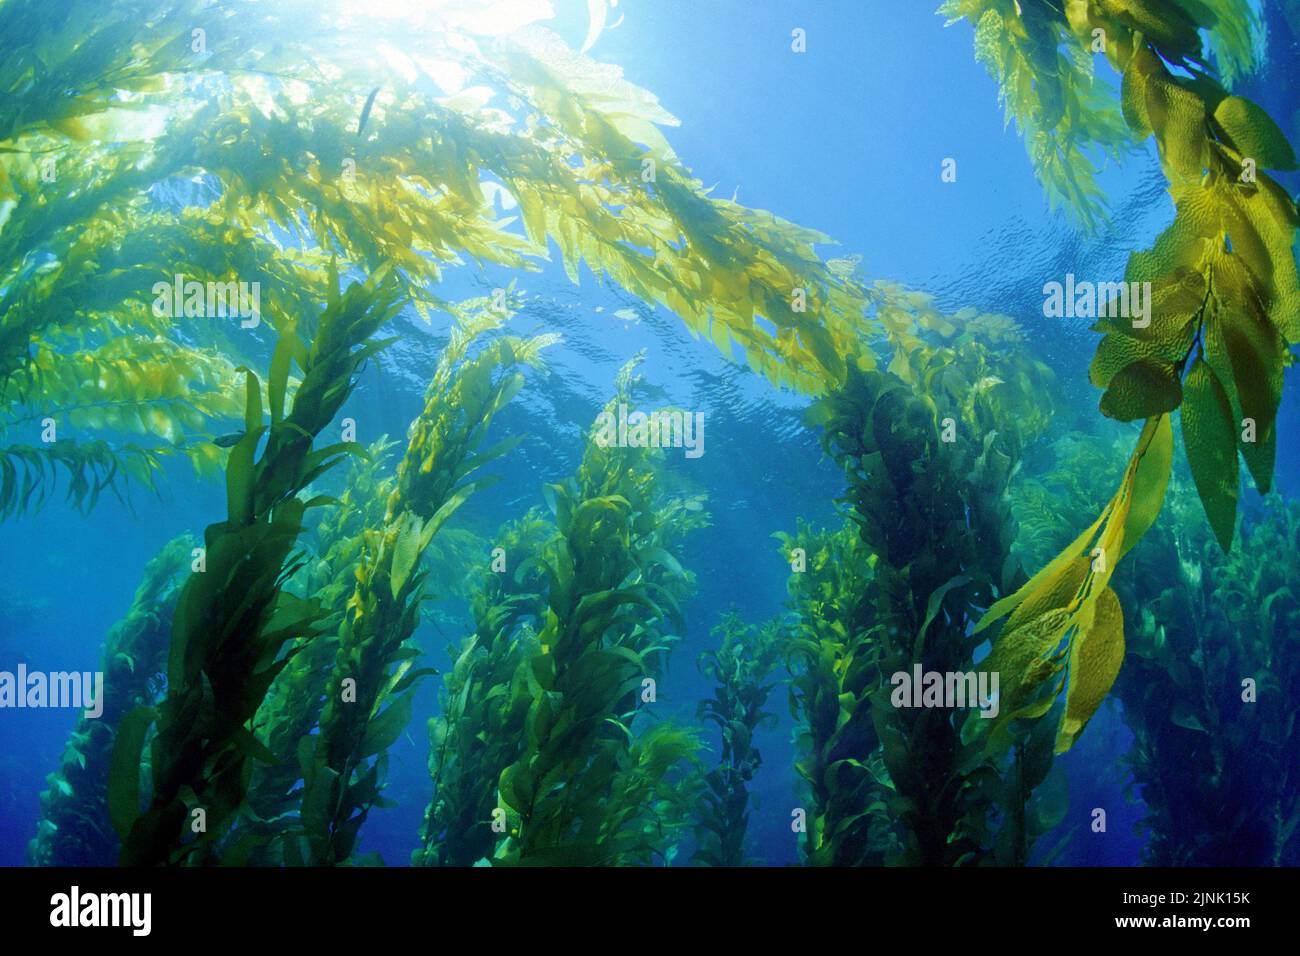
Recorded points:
(480, 730)
(832, 657)
(740, 666)
(74, 828)
(368, 699)
(233, 618)
(588, 788)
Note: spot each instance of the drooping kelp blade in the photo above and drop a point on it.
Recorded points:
(1070, 602)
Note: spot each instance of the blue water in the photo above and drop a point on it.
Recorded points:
(847, 138)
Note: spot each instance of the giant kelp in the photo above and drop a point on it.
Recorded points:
(832, 657)
(591, 785)
(480, 730)
(294, 702)
(1208, 690)
(739, 666)
(1214, 769)
(184, 142)
(928, 447)
(1062, 109)
(368, 700)
(74, 828)
(234, 618)
(1041, 55)
(1225, 303)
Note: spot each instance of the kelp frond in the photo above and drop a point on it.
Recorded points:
(1224, 306)
(74, 829)
(234, 617)
(368, 702)
(590, 786)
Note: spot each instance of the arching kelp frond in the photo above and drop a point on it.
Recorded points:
(1223, 305)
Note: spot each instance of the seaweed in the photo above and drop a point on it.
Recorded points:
(1224, 306)
(590, 786)
(832, 658)
(74, 828)
(929, 447)
(161, 167)
(480, 730)
(368, 701)
(1215, 772)
(744, 659)
(234, 618)
(1215, 761)
(293, 705)
(1042, 56)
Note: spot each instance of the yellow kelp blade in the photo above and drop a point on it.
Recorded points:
(1044, 579)
(1071, 600)
(1096, 654)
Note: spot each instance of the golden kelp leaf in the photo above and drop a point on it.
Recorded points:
(1245, 352)
(1267, 217)
(1178, 118)
(1209, 435)
(1096, 654)
(1166, 25)
(1063, 599)
(1254, 134)
(1149, 482)
(1058, 591)
(1059, 565)
(1133, 94)
(1022, 656)
(1142, 389)
(406, 552)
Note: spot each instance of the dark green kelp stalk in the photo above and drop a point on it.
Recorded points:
(740, 667)
(928, 448)
(833, 665)
(294, 703)
(234, 618)
(74, 828)
(588, 788)
(485, 698)
(368, 693)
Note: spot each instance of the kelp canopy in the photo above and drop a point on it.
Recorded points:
(350, 164)
(146, 139)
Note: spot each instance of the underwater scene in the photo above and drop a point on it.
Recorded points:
(649, 433)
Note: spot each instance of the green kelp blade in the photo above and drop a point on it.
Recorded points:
(1210, 437)
(1074, 601)
(124, 769)
(1150, 481)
